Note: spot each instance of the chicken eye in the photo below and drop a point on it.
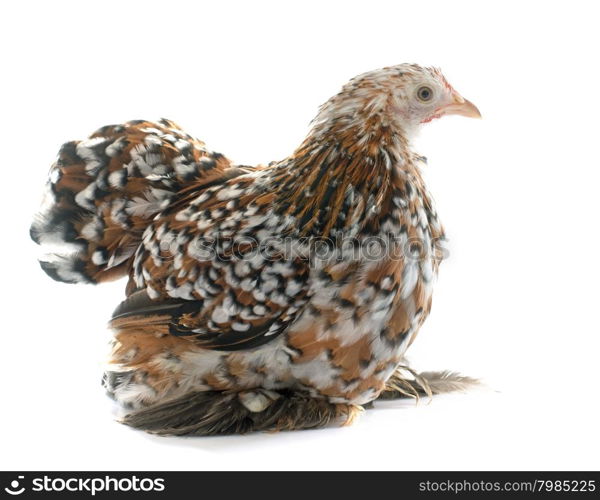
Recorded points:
(424, 94)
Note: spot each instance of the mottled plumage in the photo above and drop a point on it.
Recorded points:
(282, 296)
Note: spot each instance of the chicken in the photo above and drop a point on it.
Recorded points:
(277, 297)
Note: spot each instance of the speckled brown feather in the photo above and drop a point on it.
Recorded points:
(101, 191)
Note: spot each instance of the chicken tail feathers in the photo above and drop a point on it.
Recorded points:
(102, 192)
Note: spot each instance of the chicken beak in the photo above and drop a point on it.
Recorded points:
(463, 107)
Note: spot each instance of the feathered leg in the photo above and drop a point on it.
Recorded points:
(214, 412)
(407, 383)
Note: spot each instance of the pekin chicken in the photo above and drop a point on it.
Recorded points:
(277, 297)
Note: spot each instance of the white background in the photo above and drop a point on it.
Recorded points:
(516, 303)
